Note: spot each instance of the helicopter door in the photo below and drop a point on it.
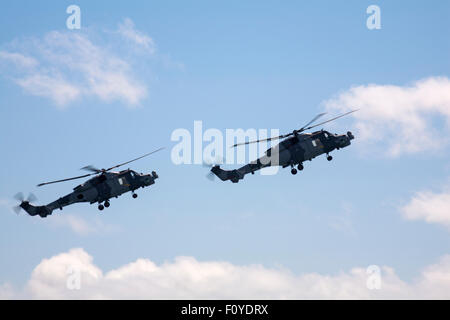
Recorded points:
(315, 148)
(123, 181)
(317, 143)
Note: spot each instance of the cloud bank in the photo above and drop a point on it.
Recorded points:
(187, 278)
(65, 66)
(430, 207)
(405, 119)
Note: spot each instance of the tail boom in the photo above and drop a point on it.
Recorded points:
(224, 175)
(236, 174)
(42, 211)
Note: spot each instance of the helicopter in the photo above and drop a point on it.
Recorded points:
(105, 185)
(296, 148)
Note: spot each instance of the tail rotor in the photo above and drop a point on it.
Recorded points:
(23, 202)
(210, 163)
(210, 176)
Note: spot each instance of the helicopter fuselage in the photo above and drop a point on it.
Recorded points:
(290, 152)
(98, 189)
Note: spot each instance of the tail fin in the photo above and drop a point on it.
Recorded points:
(224, 175)
(42, 211)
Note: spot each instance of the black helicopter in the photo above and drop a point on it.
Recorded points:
(297, 148)
(105, 185)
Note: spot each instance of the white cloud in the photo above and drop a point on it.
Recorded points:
(128, 30)
(49, 278)
(18, 59)
(401, 117)
(7, 291)
(187, 278)
(65, 65)
(79, 225)
(429, 206)
(74, 223)
(52, 87)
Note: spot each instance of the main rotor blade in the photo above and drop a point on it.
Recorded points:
(79, 177)
(314, 119)
(91, 168)
(256, 141)
(145, 155)
(283, 135)
(319, 124)
(297, 131)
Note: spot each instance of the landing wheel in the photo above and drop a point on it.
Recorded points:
(294, 171)
(107, 204)
(329, 158)
(134, 195)
(300, 167)
(101, 207)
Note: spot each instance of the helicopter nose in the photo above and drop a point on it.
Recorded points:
(350, 135)
(146, 179)
(344, 140)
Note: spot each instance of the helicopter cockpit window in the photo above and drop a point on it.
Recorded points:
(120, 181)
(314, 143)
(326, 135)
(132, 174)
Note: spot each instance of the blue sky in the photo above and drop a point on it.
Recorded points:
(230, 64)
